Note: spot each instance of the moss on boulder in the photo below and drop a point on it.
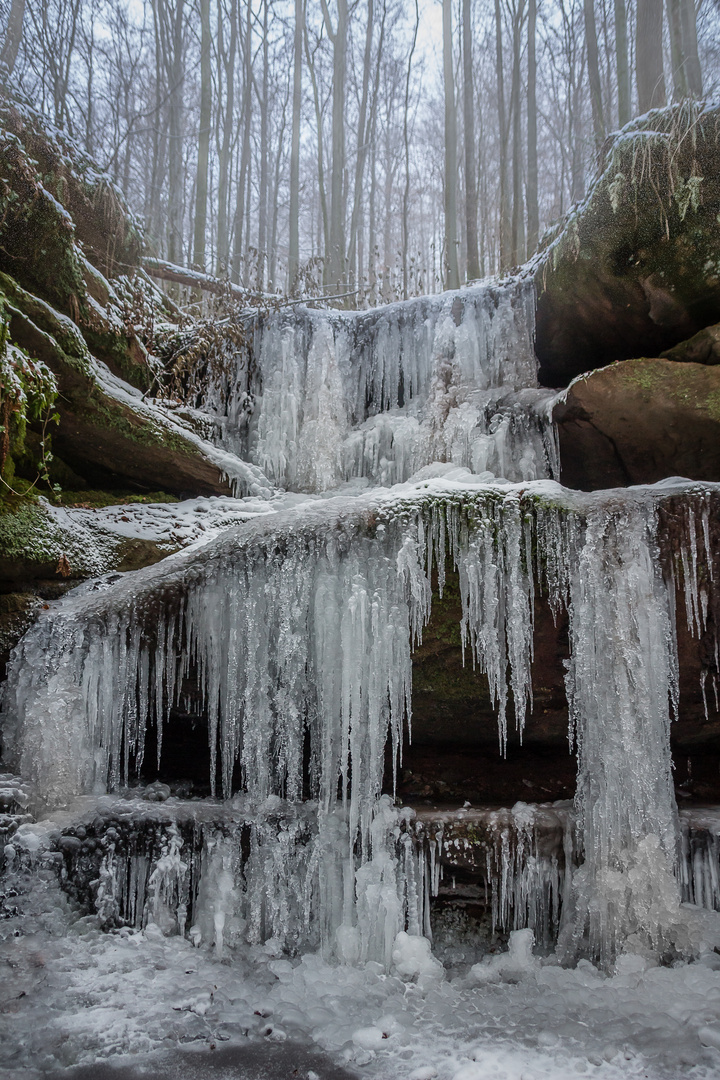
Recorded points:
(635, 269)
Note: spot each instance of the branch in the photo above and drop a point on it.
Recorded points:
(195, 279)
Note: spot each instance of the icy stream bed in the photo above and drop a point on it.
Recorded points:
(72, 994)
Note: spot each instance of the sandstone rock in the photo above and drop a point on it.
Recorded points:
(702, 348)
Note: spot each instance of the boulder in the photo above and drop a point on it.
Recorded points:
(107, 431)
(635, 268)
(638, 422)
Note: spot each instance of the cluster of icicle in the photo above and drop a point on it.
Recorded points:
(278, 872)
(301, 631)
(528, 853)
(332, 396)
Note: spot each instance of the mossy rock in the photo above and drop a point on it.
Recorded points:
(636, 268)
(702, 348)
(638, 422)
(106, 433)
(36, 543)
(103, 223)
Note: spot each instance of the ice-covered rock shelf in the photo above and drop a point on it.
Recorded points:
(300, 626)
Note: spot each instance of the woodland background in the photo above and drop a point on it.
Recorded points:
(376, 148)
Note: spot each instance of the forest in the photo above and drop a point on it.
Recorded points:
(378, 149)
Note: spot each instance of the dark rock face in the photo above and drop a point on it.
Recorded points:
(702, 348)
(638, 422)
(636, 268)
(454, 753)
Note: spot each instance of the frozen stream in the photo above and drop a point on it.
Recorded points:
(286, 923)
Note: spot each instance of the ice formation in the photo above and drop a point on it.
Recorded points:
(295, 624)
(322, 397)
(299, 628)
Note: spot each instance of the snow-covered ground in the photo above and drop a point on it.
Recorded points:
(72, 995)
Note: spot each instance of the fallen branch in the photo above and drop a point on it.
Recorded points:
(195, 279)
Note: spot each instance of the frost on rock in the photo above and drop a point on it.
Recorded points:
(380, 394)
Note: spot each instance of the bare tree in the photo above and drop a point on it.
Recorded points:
(336, 254)
(13, 36)
(294, 223)
(686, 71)
(517, 12)
(452, 279)
(533, 213)
(504, 224)
(593, 63)
(226, 125)
(203, 158)
(471, 195)
(406, 143)
(621, 63)
(649, 53)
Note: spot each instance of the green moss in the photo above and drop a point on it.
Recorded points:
(712, 405)
(36, 234)
(687, 385)
(95, 499)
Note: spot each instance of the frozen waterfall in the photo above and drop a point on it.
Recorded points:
(300, 629)
(296, 631)
(319, 397)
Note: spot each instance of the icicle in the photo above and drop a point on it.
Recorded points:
(622, 665)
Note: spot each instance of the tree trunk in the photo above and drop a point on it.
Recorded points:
(406, 142)
(336, 255)
(372, 232)
(365, 125)
(13, 37)
(594, 74)
(693, 70)
(679, 79)
(504, 230)
(533, 213)
(452, 279)
(294, 245)
(201, 179)
(320, 153)
(244, 177)
(264, 156)
(471, 195)
(174, 66)
(649, 54)
(621, 62)
(228, 126)
(518, 219)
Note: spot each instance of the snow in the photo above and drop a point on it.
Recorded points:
(171, 524)
(244, 478)
(90, 996)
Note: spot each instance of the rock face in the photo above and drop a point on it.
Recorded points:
(454, 753)
(74, 299)
(638, 422)
(636, 268)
